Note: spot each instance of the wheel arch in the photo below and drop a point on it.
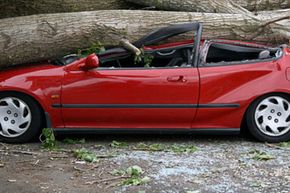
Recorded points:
(243, 124)
(36, 99)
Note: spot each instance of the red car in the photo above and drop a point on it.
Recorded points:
(190, 86)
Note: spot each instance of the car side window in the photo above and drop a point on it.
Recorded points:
(222, 54)
(166, 58)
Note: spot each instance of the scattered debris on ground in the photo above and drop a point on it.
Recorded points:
(145, 164)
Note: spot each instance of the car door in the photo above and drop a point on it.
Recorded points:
(130, 98)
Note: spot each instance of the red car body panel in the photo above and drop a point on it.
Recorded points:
(133, 86)
(41, 82)
(166, 90)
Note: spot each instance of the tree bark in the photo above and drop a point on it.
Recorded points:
(14, 8)
(276, 15)
(208, 6)
(40, 37)
(263, 5)
(130, 47)
(215, 6)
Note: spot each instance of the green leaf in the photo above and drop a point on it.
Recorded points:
(284, 144)
(157, 147)
(49, 141)
(117, 144)
(118, 172)
(133, 174)
(183, 148)
(255, 184)
(260, 156)
(96, 48)
(145, 180)
(85, 155)
(74, 141)
(134, 171)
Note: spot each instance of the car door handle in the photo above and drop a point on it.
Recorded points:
(176, 79)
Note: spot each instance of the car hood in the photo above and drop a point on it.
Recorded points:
(12, 71)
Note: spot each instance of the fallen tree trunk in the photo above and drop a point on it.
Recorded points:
(215, 6)
(262, 5)
(209, 6)
(14, 8)
(276, 15)
(40, 37)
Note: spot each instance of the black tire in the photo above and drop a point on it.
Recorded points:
(253, 127)
(36, 119)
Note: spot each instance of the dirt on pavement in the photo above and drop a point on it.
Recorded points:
(218, 164)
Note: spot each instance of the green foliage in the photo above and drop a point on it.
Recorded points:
(176, 148)
(144, 59)
(116, 172)
(255, 184)
(183, 148)
(151, 147)
(95, 48)
(134, 174)
(284, 144)
(49, 141)
(136, 181)
(117, 144)
(260, 156)
(85, 155)
(74, 141)
(134, 171)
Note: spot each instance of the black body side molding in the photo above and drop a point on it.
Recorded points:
(146, 106)
(211, 131)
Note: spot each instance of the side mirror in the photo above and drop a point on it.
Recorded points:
(91, 62)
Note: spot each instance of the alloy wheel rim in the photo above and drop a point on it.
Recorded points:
(15, 117)
(272, 116)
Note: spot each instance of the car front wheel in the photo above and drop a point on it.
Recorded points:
(268, 118)
(20, 119)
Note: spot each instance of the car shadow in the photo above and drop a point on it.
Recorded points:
(156, 138)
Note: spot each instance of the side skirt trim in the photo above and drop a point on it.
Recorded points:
(207, 131)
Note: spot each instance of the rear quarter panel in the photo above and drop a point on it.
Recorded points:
(239, 83)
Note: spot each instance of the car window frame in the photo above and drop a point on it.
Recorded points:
(154, 68)
(205, 49)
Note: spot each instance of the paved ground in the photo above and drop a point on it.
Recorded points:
(220, 164)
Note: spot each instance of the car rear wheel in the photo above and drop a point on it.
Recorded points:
(268, 118)
(20, 119)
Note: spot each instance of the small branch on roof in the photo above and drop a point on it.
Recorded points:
(127, 45)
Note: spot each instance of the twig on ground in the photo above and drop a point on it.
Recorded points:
(101, 173)
(35, 163)
(112, 185)
(105, 156)
(20, 152)
(59, 156)
(4, 145)
(79, 169)
(22, 161)
(273, 146)
(105, 180)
